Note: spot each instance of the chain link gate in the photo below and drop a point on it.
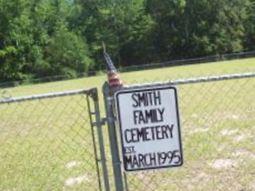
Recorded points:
(97, 122)
(51, 141)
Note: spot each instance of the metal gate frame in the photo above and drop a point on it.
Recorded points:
(95, 122)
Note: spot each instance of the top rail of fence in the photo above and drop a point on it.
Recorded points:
(10, 99)
(173, 82)
(197, 80)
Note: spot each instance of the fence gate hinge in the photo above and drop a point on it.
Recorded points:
(93, 94)
(102, 122)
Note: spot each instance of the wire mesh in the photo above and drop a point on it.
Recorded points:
(46, 144)
(217, 124)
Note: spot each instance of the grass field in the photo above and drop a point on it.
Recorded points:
(47, 144)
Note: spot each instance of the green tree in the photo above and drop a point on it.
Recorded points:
(250, 27)
(67, 53)
(63, 37)
(63, 51)
(36, 41)
(15, 38)
(122, 25)
(168, 16)
(197, 28)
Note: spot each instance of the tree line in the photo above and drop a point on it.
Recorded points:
(41, 38)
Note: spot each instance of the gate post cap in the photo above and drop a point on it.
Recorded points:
(114, 80)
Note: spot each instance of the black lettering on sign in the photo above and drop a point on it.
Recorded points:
(143, 99)
(154, 159)
(148, 133)
(148, 116)
(129, 150)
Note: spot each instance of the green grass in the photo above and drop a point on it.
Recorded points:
(164, 74)
(39, 139)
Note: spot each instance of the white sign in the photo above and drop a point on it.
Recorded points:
(149, 127)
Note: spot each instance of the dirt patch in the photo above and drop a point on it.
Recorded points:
(194, 115)
(234, 117)
(76, 180)
(229, 132)
(72, 164)
(201, 177)
(200, 130)
(229, 115)
(220, 164)
(243, 153)
(239, 138)
(252, 186)
(221, 147)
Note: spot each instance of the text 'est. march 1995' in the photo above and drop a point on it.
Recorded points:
(149, 126)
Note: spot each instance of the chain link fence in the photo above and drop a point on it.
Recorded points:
(47, 144)
(217, 123)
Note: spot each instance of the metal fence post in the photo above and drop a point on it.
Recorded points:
(108, 100)
(94, 95)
